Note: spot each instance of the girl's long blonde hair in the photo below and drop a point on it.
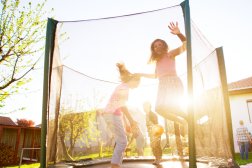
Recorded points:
(125, 74)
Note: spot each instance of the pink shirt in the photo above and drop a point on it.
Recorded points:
(166, 66)
(117, 99)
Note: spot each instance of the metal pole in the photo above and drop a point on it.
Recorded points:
(49, 46)
(191, 137)
(223, 78)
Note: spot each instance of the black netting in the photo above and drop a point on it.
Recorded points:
(84, 74)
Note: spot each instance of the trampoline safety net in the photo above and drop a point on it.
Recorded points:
(83, 74)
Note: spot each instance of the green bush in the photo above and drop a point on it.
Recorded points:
(7, 155)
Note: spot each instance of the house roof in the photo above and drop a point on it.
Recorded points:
(241, 86)
(6, 121)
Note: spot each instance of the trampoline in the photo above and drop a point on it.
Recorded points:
(80, 75)
(143, 162)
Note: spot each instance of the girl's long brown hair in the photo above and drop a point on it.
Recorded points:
(153, 58)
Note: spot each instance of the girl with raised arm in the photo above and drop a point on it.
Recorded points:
(170, 88)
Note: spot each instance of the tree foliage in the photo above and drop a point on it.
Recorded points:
(78, 127)
(22, 34)
(25, 122)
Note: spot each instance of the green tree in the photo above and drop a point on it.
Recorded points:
(22, 34)
(78, 127)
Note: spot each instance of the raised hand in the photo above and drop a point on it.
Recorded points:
(174, 28)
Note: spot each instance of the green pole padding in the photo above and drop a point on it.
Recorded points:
(49, 47)
(223, 78)
(191, 133)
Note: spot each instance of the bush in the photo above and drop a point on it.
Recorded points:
(7, 155)
(25, 123)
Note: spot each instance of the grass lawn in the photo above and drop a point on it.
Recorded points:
(243, 162)
(34, 165)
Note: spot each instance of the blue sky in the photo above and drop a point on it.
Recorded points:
(224, 23)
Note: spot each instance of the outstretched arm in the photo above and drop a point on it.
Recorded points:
(176, 31)
(153, 76)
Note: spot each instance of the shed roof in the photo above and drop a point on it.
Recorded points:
(6, 121)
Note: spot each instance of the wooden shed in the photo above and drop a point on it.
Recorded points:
(20, 137)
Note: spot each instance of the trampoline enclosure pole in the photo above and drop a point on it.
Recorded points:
(191, 134)
(49, 46)
(223, 77)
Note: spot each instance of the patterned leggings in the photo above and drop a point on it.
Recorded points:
(155, 142)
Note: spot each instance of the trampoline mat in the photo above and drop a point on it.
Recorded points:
(148, 164)
(142, 162)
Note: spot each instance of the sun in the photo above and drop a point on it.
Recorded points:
(146, 91)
